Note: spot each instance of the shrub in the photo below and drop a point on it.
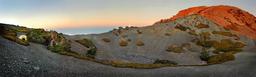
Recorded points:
(123, 43)
(86, 42)
(204, 56)
(239, 45)
(192, 32)
(38, 36)
(228, 56)
(227, 45)
(106, 40)
(22, 29)
(129, 40)
(56, 48)
(181, 27)
(229, 34)
(167, 34)
(139, 32)
(174, 48)
(91, 53)
(11, 35)
(165, 62)
(207, 44)
(199, 26)
(139, 43)
(205, 35)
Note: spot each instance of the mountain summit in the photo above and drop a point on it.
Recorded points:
(229, 17)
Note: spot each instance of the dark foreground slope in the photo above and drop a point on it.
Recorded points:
(36, 60)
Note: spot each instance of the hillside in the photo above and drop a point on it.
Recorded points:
(189, 43)
(228, 17)
(36, 60)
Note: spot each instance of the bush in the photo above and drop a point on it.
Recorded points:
(57, 48)
(192, 32)
(239, 45)
(205, 35)
(139, 32)
(106, 40)
(11, 35)
(123, 43)
(204, 56)
(38, 36)
(167, 34)
(139, 43)
(226, 45)
(165, 62)
(86, 42)
(228, 56)
(199, 26)
(229, 34)
(174, 48)
(181, 27)
(207, 44)
(91, 52)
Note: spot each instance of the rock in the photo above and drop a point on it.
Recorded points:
(25, 60)
(36, 68)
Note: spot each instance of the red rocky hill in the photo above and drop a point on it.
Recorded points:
(229, 17)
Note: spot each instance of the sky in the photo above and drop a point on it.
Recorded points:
(97, 16)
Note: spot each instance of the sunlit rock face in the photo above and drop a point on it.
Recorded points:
(227, 16)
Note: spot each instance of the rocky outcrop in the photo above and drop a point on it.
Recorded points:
(229, 17)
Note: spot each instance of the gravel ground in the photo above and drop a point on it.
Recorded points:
(36, 61)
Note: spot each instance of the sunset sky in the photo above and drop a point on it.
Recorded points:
(95, 16)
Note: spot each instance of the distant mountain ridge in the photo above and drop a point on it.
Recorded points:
(229, 17)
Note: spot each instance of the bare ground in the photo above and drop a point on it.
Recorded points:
(36, 61)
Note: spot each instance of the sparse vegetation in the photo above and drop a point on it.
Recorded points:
(38, 36)
(186, 45)
(192, 32)
(229, 34)
(86, 42)
(139, 32)
(181, 27)
(57, 48)
(11, 35)
(201, 25)
(174, 48)
(139, 43)
(91, 52)
(221, 58)
(89, 44)
(226, 45)
(165, 62)
(204, 56)
(167, 34)
(123, 43)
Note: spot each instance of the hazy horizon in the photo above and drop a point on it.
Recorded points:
(97, 16)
